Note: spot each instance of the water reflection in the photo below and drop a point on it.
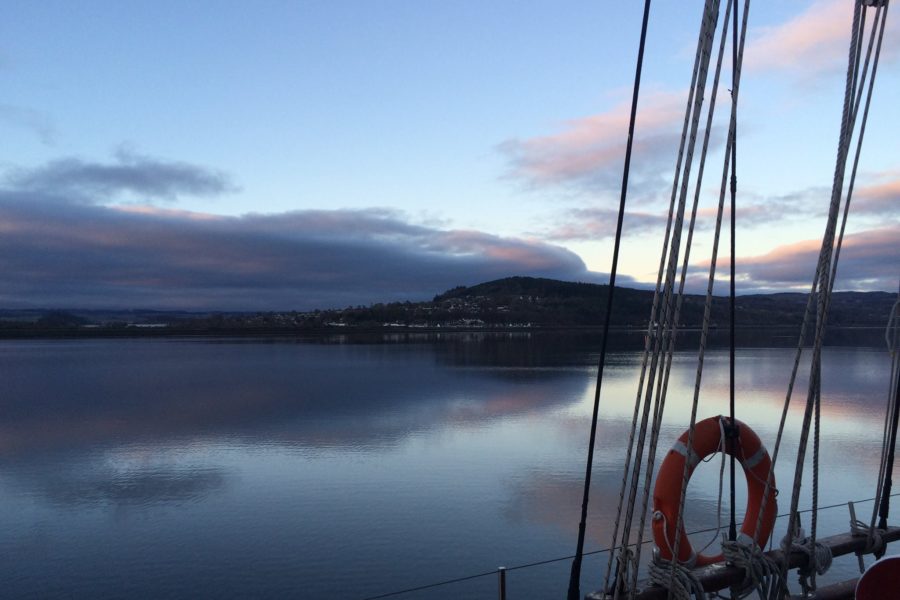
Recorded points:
(125, 392)
(84, 484)
(538, 498)
(345, 467)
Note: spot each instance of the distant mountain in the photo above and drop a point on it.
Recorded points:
(513, 302)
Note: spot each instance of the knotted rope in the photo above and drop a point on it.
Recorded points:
(874, 539)
(762, 573)
(681, 582)
(818, 558)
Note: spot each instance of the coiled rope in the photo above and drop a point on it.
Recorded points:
(818, 559)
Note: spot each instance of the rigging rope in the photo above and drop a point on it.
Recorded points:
(652, 329)
(761, 573)
(713, 261)
(662, 385)
(827, 269)
(540, 563)
(688, 247)
(667, 303)
(892, 336)
(808, 310)
(882, 16)
(666, 328)
(575, 575)
(732, 529)
(889, 437)
(667, 324)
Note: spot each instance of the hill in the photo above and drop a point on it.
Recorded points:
(551, 303)
(513, 302)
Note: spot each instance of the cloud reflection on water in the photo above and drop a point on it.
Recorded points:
(362, 395)
(363, 455)
(83, 485)
(852, 417)
(83, 394)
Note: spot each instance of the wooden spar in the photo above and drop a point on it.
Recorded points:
(720, 576)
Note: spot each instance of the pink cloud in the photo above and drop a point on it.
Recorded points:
(155, 211)
(589, 151)
(880, 199)
(600, 223)
(815, 41)
(869, 261)
(876, 199)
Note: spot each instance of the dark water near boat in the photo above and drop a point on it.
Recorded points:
(343, 468)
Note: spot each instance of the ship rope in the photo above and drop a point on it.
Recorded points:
(823, 285)
(551, 561)
(662, 385)
(662, 332)
(804, 330)
(575, 573)
(892, 334)
(707, 310)
(762, 574)
(889, 443)
(622, 560)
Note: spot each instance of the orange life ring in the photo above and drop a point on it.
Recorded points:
(746, 448)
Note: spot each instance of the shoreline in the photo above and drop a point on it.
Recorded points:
(129, 332)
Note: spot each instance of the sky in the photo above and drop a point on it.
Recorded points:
(294, 155)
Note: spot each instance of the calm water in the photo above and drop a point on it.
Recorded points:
(342, 469)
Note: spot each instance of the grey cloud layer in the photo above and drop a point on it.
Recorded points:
(58, 253)
(133, 174)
